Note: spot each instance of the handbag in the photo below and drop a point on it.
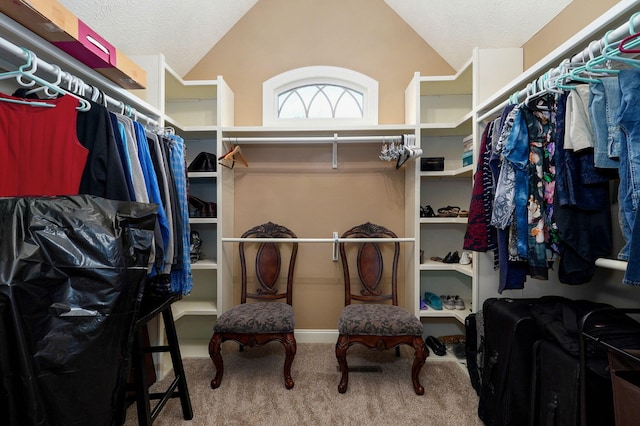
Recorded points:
(204, 162)
(201, 208)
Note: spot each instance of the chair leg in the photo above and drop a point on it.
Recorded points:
(341, 354)
(176, 359)
(214, 352)
(418, 362)
(140, 379)
(289, 343)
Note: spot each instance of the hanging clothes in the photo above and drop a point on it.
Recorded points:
(41, 153)
(104, 176)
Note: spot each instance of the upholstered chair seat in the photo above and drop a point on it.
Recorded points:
(378, 320)
(257, 318)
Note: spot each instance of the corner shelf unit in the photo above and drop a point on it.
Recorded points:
(442, 110)
(195, 110)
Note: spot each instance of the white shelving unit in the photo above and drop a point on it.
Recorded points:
(196, 110)
(442, 110)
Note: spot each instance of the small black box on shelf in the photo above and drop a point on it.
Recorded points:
(432, 164)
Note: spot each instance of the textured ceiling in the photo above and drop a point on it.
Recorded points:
(185, 30)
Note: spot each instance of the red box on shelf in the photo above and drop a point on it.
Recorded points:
(55, 23)
(89, 48)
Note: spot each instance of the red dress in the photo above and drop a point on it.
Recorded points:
(39, 149)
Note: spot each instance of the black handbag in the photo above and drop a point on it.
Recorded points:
(201, 208)
(204, 162)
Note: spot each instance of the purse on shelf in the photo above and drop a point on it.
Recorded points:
(201, 208)
(204, 162)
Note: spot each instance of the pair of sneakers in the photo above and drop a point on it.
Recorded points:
(452, 302)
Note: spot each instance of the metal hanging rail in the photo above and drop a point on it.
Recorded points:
(12, 55)
(334, 140)
(335, 241)
(312, 139)
(75, 84)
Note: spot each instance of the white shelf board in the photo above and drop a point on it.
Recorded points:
(434, 220)
(205, 264)
(203, 220)
(186, 307)
(201, 175)
(465, 171)
(432, 265)
(459, 315)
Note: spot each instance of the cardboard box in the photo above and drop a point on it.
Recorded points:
(56, 24)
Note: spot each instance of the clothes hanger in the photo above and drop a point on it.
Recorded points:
(563, 74)
(408, 151)
(17, 74)
(631, 38)
(47, 90)
(33, 79)
(232, 155)
(612, 53)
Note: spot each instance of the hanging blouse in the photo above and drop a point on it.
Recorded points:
(41, 153)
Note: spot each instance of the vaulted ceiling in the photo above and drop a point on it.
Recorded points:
(185, 30)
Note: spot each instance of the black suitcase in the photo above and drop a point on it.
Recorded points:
(474, 348)
(510, 332)
(556, 388)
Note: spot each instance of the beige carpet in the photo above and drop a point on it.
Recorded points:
(252, 390)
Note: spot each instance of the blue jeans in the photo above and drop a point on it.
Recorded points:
(604, 104)
(629, 170)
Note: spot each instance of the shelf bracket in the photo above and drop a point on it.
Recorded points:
(335, 246)
(334, 160)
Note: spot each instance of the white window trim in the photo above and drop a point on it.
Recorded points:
(319, 75)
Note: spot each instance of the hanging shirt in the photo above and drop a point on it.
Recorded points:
(40, 153)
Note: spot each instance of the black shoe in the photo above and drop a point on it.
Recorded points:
(429, 211)
(452, 258)
(436, 345)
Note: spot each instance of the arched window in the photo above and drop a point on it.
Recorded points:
(320, 96)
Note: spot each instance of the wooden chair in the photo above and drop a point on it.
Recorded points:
(266, 319)
(377, 322)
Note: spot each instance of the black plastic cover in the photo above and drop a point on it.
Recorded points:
(72, 272)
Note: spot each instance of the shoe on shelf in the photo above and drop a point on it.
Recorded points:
(449, 211)
(458, 303)
(465, 259)
(452, 258)
(447, 302)
(423, 305)
(432, 301)
(436, 345)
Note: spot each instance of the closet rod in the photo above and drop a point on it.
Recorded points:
(312, 139)
(320, 240)
(71, 80)
(592, 50)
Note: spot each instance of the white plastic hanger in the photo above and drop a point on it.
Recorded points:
(17, 74)
(22, 73)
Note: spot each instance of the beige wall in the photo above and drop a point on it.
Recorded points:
(577, 15)
(296, 186)
(279, 35)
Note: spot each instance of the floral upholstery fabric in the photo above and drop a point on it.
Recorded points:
(378, 320)
(257, 318)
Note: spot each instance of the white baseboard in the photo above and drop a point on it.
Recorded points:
(316, 336)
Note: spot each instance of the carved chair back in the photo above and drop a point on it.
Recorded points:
(368, 258)
(268, 263)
